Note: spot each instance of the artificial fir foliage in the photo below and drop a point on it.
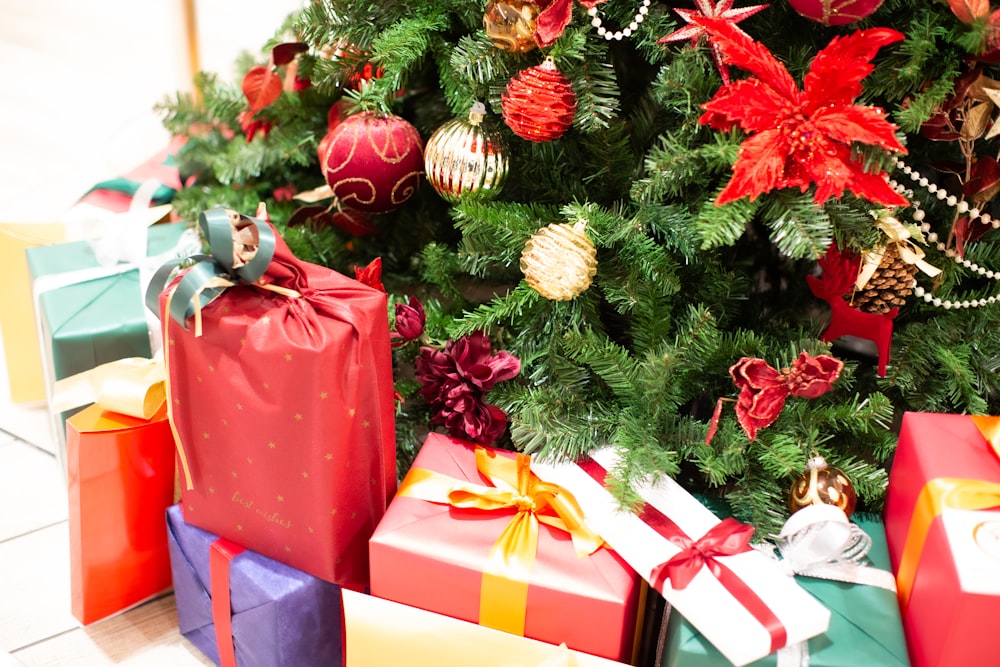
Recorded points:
(684, 287)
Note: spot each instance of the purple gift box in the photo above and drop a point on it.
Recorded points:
(281, 616)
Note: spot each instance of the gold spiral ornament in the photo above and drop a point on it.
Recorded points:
(822, 484)
(465, 160)
(560, 261)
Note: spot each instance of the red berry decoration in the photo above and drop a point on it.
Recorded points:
(539, 103)
(835, 12)
(373, 162)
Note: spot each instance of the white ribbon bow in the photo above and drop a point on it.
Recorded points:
(819, 541)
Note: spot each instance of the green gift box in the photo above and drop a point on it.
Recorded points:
(865, 626)
(87, 313)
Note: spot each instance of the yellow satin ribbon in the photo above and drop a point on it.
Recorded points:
(990, 428)
(134, 386)
(910, 253)
(504, 588)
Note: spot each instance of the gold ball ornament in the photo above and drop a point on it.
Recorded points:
(465, 160)
(822, 484)
(510, 24)
(559, 261)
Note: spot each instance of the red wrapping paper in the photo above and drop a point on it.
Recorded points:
(120, 474)
(432, 556)
(283, 408)
(946, 622)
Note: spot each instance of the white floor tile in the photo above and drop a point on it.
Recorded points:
(32, 490)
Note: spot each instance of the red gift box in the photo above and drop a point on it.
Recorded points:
(284, 411)
(121, 481)
(942, 543)
(443, 557)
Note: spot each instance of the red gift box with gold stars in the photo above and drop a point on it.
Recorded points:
(282, 401)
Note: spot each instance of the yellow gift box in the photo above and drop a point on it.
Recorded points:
(17, 310)
(382, 632)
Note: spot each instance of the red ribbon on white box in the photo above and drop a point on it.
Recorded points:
(745, 617)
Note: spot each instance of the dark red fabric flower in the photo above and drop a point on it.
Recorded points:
(454, 382)
(763, 389)
(410, 319)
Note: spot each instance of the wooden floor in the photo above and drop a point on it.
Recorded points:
(79, 83)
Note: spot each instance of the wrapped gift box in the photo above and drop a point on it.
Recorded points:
(89, 314)
(121, 480)
(241, 608)
(283, 407)
(381, 632)
(17, 310)
(438, 557)
(741, 602)
(865, 627)
(943, 530)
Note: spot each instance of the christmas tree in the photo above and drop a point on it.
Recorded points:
(722, 239)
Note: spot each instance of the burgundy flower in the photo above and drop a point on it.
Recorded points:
(410, 318)
(454, 382)
(763, 389)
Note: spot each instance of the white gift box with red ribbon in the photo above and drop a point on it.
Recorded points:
(737, 597)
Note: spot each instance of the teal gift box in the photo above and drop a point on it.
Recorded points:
(865, 626)
(89, 313)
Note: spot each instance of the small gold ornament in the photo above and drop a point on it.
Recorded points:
(510, 24)
(822, 484)
(464, 159)
(559, 261)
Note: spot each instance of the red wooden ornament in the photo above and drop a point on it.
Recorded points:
(835, 12)
(373, 162)
(539, 103)
(839, 271)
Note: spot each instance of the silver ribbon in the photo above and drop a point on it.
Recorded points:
(820, 541)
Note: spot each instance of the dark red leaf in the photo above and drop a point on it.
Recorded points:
(304, 214)
(285, 53)
(261, 87)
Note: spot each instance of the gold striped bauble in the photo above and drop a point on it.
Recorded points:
(463, 159)
(559, 261)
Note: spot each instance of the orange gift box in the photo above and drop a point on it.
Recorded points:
(943, 529)
(442, 557)
(121, 481)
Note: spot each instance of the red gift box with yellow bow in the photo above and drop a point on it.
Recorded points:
(943, 529)
(472, 533)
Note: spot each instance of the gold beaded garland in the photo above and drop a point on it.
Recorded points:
(822, 484)
(559, 261)
(464, 159)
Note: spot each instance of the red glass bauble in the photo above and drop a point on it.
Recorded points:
(835, 12)
(373, 162)
(539, 103)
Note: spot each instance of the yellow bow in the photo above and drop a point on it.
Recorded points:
(134, 386)
(909, 252)
(504, 587)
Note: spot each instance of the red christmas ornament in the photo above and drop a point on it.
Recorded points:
(373, 162)
(835, 12)
(539, 103)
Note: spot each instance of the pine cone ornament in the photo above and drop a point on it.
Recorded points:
(888, 286)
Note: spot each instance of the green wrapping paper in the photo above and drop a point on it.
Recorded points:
(865, 626)
(95, 318)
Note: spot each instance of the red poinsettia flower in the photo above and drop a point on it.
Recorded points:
(370, 275)
(763, 389)
(801, 137)
(455, 380)
(554, 17)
